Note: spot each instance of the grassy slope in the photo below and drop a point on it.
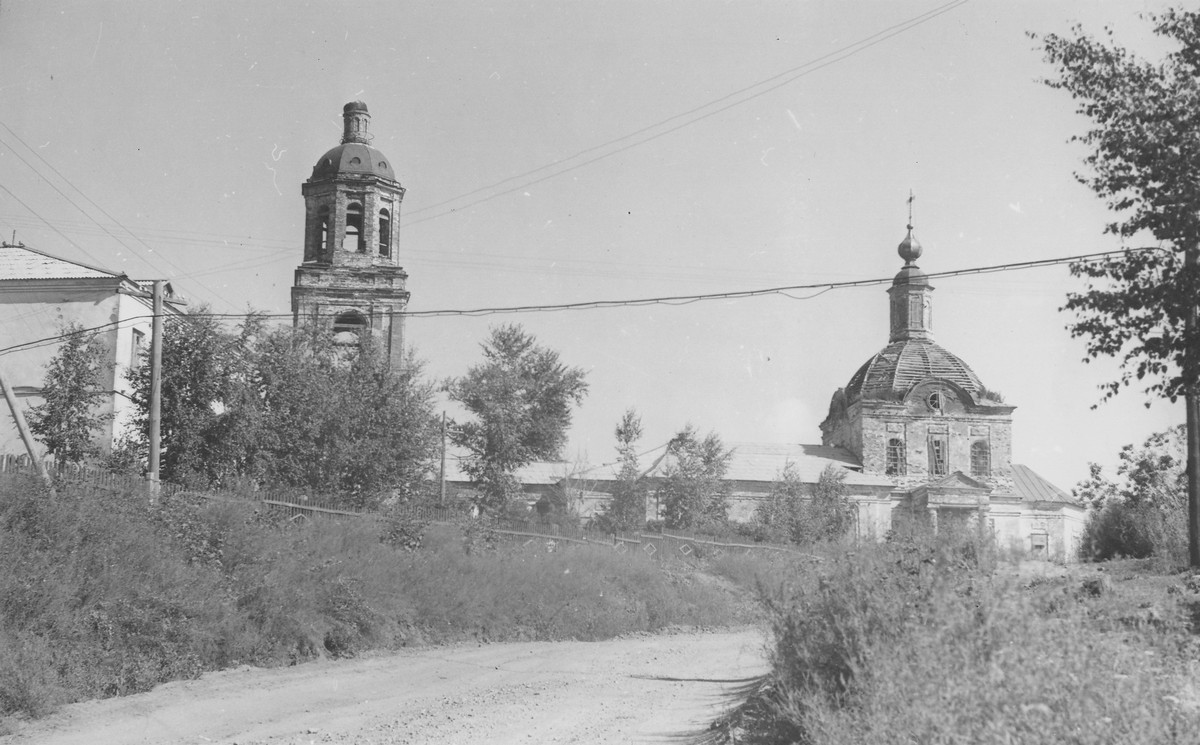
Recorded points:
(908, 643)
(104, 595)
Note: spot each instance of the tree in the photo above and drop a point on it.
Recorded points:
(693, 493)
(829, 515)
(521, 396)
(1141, 512)
(627, 508)
(778, 517)
(339, 423)
(291, 408)
(1145, 153)
(199, 360)
(74, 387)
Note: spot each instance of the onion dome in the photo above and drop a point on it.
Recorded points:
(355, 156)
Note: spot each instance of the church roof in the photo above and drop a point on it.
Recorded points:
(1033, 488)
(22, 262)
(353, 158)
(899, 366)
(763, 462)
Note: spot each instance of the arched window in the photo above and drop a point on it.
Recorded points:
(385, 232)
(322, 232)
(347, 327)
(981, 458)
(354, 240)
(896, 465)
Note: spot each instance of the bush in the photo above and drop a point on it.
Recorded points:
(906, 643)
(1137, 531)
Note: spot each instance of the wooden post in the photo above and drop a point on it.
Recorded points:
(1191, 397)
(23, 430)
(442, 472)
(156, 341)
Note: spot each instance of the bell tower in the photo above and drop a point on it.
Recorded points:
(351, 276)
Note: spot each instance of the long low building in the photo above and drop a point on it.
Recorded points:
(920, 440)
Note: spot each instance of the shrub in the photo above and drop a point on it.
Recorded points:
(896, 643)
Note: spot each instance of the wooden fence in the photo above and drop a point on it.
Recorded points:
(296, 505)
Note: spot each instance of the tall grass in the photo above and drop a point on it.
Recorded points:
(104, 594)
(912, 643)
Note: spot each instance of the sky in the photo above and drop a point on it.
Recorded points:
(560, 151)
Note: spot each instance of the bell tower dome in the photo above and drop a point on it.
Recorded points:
(351, 276)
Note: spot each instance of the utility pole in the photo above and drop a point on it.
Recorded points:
(1191, 398)
(156, 341)
(442, 471)
(23, 430)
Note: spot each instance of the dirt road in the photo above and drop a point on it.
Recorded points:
(644, 689)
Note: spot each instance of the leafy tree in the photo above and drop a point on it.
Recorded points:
(72, 391)
(627, 508)
(829, 515)
(348, 425)
(290, 408)
(778, 517)
(521, 397)
(199, 360)
(693, 493)
(1145, 153)
(1142, 511)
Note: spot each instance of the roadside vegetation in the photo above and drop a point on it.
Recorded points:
(916, 641)
(104, 594)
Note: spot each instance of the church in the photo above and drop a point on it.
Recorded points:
(921, 440)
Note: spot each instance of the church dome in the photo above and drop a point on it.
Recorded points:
(901, 365)
(353, 158)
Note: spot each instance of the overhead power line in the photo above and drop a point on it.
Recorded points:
(690, 117)
(820, 288)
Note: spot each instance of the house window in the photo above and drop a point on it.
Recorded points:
(135, 351)
(981, 458)
(895, 458)
(354, 239)
(385, 233)
(938, 447)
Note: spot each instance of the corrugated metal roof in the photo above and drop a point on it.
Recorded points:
(1033, 488)
(22, 262)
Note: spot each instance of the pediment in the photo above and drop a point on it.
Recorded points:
(959, 482)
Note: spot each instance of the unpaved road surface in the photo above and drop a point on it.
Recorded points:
(638, 690)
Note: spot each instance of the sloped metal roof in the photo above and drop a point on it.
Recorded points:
(22, 262)
(540, 473)
(1033, 488)
(763, 462)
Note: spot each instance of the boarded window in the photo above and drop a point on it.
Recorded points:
(135, 353)
(938, 447)
(981, 458)
(895, 458)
